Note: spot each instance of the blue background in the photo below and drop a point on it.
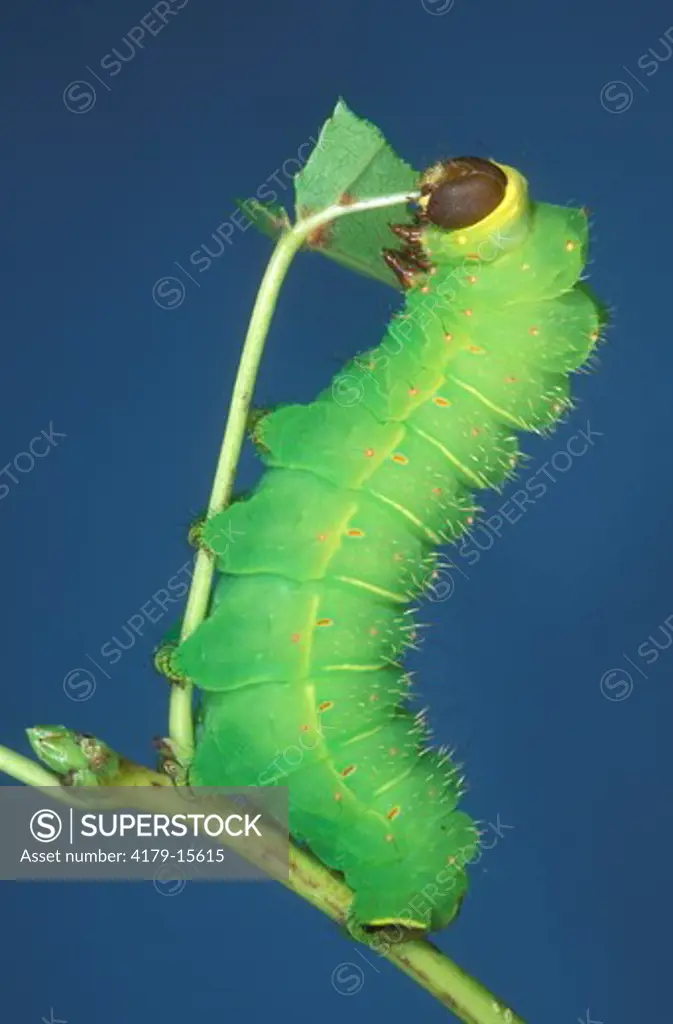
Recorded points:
(570, 910)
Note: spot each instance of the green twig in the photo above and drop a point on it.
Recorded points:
(22, 768)
(180, 723)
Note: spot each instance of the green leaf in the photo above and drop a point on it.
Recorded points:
(270, 218)
(352, 161)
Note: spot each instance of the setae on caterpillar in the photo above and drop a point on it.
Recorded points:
(302, 647)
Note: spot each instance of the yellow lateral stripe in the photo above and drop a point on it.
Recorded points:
(379, 591)
(335, 546)
(255, 681)
(352, 668)
(408, 515)
(362, 736)
(310, 628)
(489, 405)
(474, 477)
(388, 785)
(406, 922)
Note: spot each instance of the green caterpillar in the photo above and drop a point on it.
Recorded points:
(302, 648)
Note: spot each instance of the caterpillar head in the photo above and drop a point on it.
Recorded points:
(461, 192)
(464, 202)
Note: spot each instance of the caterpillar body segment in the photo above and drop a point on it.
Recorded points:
(300, 660)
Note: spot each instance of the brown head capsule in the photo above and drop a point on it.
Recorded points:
(463, 191)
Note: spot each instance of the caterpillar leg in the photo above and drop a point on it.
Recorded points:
(402, 265)
(401, 909)
(382, 937)
(169, 763)
(195, 534)
(255, 427)
(212, 533)
(164, 662)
